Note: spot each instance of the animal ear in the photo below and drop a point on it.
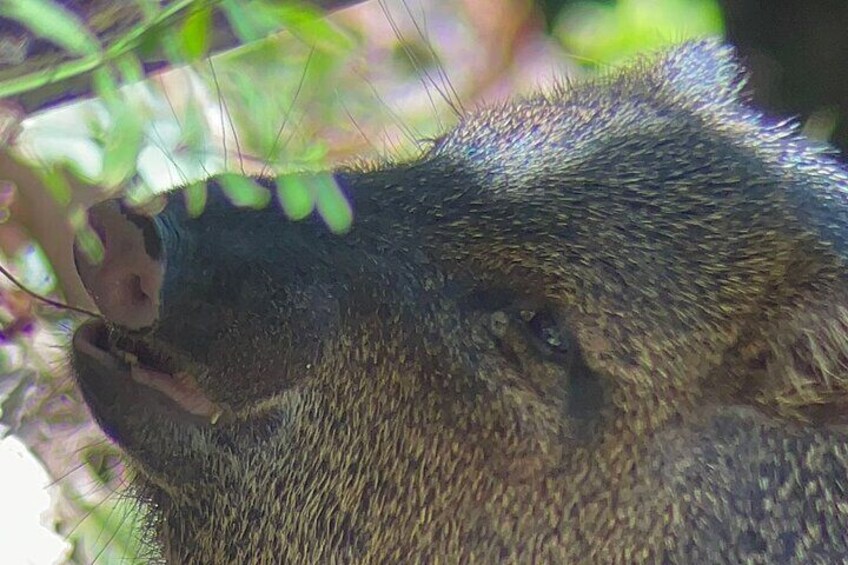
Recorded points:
(705, 71)
(794, 358)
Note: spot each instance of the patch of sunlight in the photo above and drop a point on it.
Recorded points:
(27, 535)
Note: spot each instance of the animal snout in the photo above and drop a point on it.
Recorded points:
(126, 283)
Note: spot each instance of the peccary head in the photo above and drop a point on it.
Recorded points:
(605, 324)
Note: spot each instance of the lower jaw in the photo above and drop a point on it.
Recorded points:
(177, 395)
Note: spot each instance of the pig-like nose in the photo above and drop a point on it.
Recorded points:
(126, 285)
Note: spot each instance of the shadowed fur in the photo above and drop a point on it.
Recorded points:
(600, 325)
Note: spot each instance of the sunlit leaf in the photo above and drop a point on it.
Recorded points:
(87, 239)
(332, 204)
(195, 196)
(244, 21)
(243, 191)
(105, 85)
(295, 196)
(314, 154)
(606, 33)
(306, 23)
(122, 144)
(195, 33)
(122, 138)
(130, 68)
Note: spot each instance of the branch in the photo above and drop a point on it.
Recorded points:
(40, 68)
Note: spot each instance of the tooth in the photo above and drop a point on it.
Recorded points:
(214, 419)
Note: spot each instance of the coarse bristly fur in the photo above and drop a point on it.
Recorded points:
(606, 324)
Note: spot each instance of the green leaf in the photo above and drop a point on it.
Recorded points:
(59, 25)
(244, 22)
(122, 144)
(307, 24)
(193, 130)
(130, 68)
(243, 191)
(607, 32)
(86, 238)
(53, 22)
(57, 185)
(195, 196)
(315, 154)
(195, 33)
(105, 85)
(295, 196)
(332, 204)
(122, 140)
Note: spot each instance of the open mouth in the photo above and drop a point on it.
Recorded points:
(124, 356)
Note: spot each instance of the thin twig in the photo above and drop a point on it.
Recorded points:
(45, 300)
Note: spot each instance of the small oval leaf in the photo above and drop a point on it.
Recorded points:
(333, 205)
(194, 35)
(243, 191)
(295, 197)
(195, 196)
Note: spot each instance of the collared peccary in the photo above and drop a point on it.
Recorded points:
(606, 324)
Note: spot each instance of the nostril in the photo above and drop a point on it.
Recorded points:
(127, 283)
(139, 297)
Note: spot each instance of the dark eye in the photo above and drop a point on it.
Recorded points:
(547, 332)
(584, 390)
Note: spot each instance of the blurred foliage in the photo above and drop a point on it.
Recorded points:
(110, 532)
(51, 20)
(605, 32)
(118, 130)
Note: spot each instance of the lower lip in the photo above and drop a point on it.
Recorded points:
(181, 388)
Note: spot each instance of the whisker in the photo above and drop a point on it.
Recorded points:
(225, 112)
(289, 111)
